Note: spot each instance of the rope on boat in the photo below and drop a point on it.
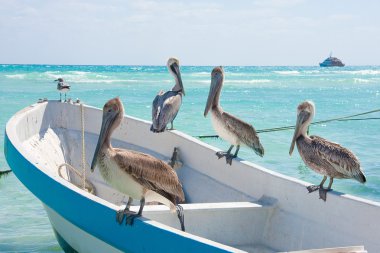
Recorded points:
(275, 129)
(86, 185)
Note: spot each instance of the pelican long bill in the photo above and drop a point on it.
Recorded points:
(214, 88)
(107, 121)
(302, 117)
(177, 73)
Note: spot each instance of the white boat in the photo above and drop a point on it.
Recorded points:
(238, 208)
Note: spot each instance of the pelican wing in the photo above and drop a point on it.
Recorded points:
(150, 172)
(245, 132)
(156, 108)
(340, 158)
(167, 106)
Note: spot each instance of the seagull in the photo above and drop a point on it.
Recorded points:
(62, 87)
(324, 157)
(166, 105)
(138, 175)
(229, 127)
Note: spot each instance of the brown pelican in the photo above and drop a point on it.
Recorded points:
(228, 127)
(324, 157)
(62, 87)
(138, 175)
(166, 105)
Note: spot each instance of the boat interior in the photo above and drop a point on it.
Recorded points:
(219, 202)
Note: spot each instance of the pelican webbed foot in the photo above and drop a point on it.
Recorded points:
(122, 213)
(229, 158)
(131, 218)
(228, 154)
(313, 188)
(221, 154)
(323, 193)
(181, 217)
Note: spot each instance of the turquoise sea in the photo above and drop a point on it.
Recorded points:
(267, 97)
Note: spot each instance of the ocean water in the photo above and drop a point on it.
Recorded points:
(267, 97)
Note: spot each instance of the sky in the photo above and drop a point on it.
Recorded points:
(198, 32)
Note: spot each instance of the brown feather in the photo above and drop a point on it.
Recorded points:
(150, 172)
(329, 158)
(244, 131)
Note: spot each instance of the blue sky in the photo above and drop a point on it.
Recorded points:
(147, 32)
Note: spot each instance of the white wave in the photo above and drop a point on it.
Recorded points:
(201, 74)
(311, 71)
(105, 81)
(361, 80)
(142, 81)
(201, 81)
(287, 72)
(100, 76)
(236, 81)
(16, 76)
(367, 72)
(82, 73)
(249, 81)
(358, 72)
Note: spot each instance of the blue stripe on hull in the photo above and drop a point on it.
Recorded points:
(96, 219)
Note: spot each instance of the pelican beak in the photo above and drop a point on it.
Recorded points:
(108, 119)
(301, 118)
(175, 68)
(215, 85)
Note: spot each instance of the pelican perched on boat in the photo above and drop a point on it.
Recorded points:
(324, 157)
(138, 175)
(166, 105)
(62, 87)
(228, 127)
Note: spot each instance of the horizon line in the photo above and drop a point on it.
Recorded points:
(153, 65)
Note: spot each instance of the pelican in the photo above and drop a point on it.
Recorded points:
(324, 157)
(228, 127)
(62, 87)
(166, 105)
(138, 175)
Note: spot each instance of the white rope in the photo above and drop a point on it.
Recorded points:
(86, 185)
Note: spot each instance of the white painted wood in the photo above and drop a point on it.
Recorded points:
(78, 239)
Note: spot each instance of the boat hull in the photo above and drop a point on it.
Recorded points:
(281, 216)
(82, 211)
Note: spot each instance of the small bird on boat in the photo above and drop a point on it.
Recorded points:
(324, 157)
(62, 87)
(138, 175)
(166, 105)
(229, 127)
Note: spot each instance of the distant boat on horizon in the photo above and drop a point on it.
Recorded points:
(331, 62)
